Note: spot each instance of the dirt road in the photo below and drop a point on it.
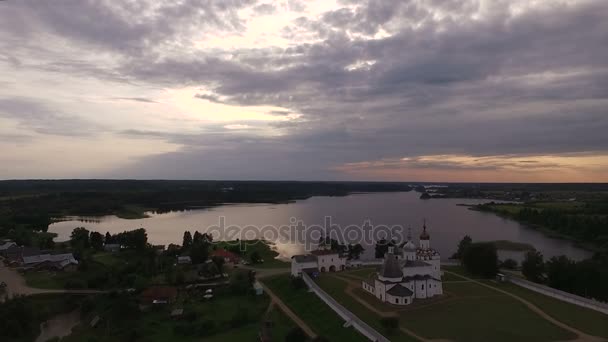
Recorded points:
(16, 284)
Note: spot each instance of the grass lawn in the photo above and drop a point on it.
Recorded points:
(46, 280)
(336, 288)
(586, 320)
(320, 317)
(496, 318)
(451, 277)
(361, 273)
(471, 312)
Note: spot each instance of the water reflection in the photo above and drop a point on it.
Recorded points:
(447, 222)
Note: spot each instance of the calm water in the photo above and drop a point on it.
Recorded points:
(447, 222)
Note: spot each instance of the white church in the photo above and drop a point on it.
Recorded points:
(407, 273)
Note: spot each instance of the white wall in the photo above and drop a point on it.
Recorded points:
(331, 260)
(561, 295)
(348, 316)
(296, 268)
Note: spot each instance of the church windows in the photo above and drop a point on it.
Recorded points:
(422, 286)
(396, 300)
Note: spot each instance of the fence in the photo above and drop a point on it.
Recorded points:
(348, 316)
(561, 295)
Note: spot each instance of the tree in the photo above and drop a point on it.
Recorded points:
(108, 238)
(481, 259)
(509, 264)
(296, 335)
(462, 246)
(255, 257)
(197, 238)
(187, 240)
(199, 252)
(96, 240)
(382, 247)
(79, 238)
(533, 266)
(354, 251)
(219, 263)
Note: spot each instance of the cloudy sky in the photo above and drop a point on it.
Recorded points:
(430, 90)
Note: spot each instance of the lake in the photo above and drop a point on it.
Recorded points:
(447, 222)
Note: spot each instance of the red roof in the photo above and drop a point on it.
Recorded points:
(225, 254)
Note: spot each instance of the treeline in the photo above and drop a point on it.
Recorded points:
(587, 278)
(33, 204)
(588, 223)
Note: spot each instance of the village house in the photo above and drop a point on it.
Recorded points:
(184, 260)
(57, 262)
(111, 247)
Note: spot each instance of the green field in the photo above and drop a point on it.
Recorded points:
(216, 316)
(361, 273)
(586, 320)
(470, 312)
(47, 280)
(320, 317)
(336, 288)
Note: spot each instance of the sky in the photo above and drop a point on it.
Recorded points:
(391, 90)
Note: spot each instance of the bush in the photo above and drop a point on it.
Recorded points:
(481, 259)
(296, 335)
(509, 264)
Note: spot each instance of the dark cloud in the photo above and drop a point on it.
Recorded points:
(33, 115)
(373, 79)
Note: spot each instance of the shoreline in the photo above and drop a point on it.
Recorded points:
(545, 231)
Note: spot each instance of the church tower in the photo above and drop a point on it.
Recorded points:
(425, 238)
(409, 249)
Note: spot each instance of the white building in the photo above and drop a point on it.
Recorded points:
(321, 260)
(407, 273)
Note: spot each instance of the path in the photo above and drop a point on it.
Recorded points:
(353, 284)
(16, 285)
(275, 299)
(581, 335)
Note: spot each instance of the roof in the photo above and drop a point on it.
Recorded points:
(324, 252)
(7, 245)
(424, 235)
(420, 277)
(49, 257)
(399, 291)
(304, 258)
(415, 263)
(391, 268)
(409, 246)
